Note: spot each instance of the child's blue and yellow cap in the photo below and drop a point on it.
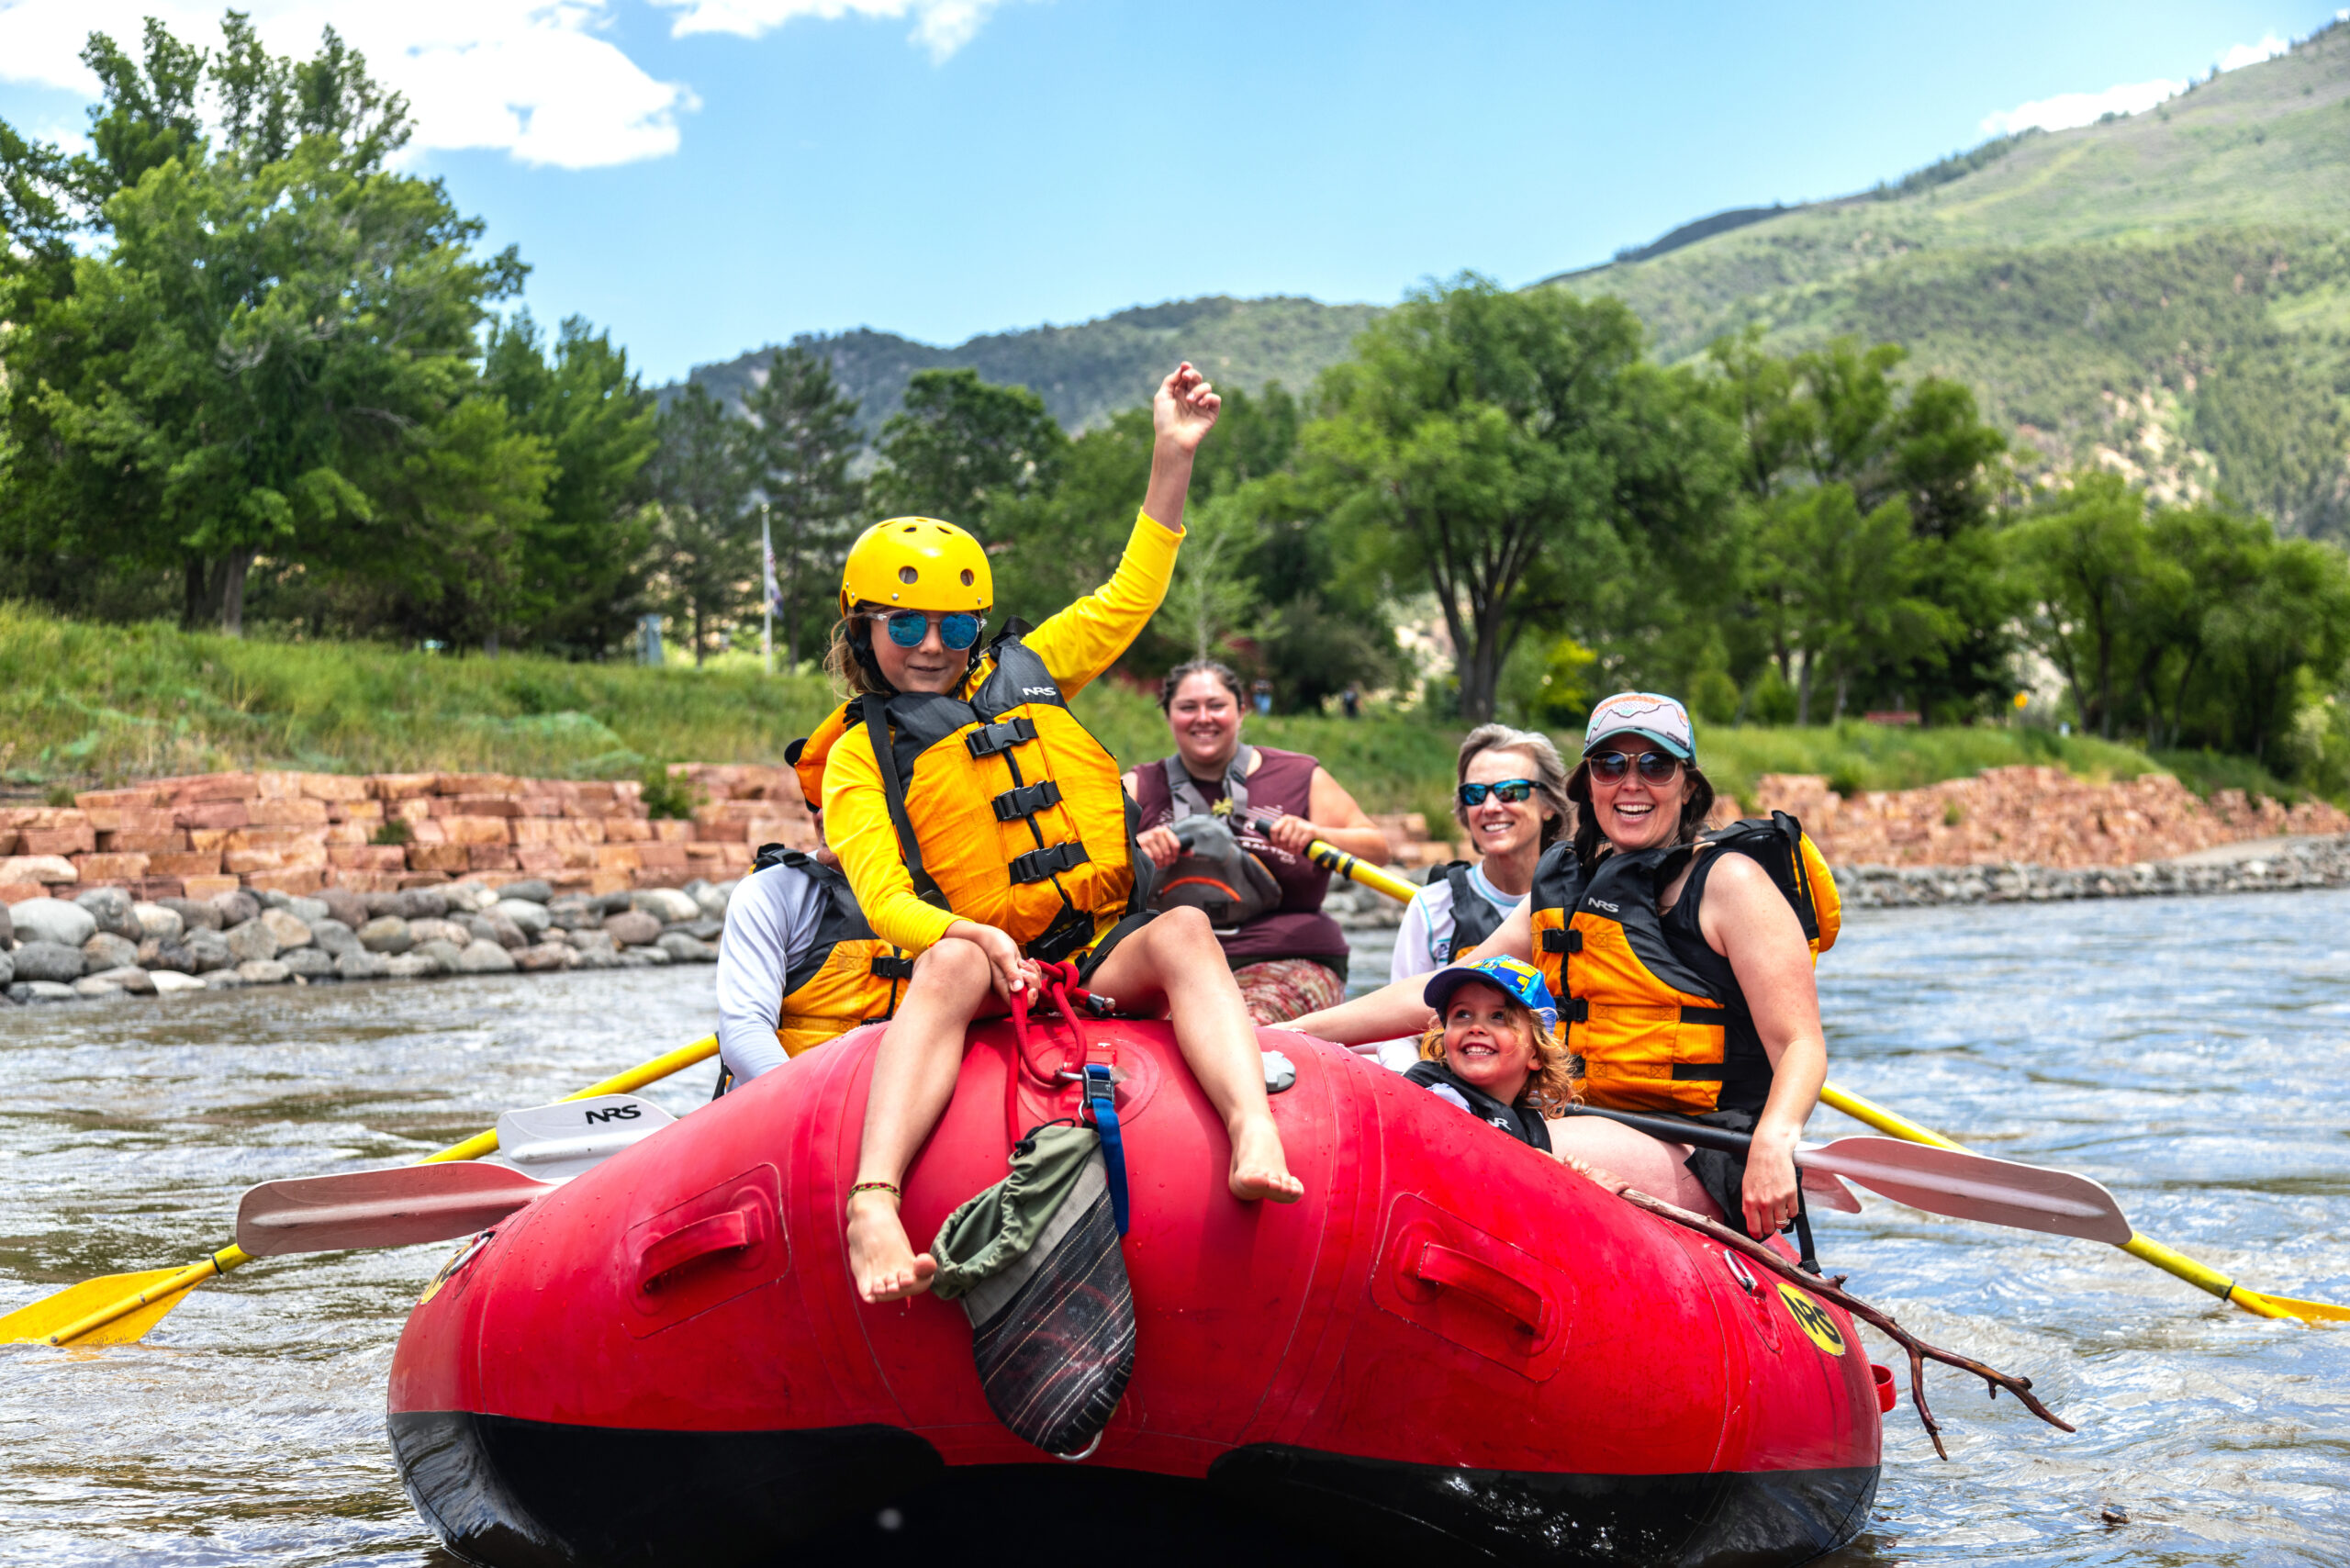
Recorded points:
(1512, 976)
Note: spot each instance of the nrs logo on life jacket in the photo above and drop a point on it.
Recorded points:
(1655, 1013)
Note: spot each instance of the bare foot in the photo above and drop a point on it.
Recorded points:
(1259, 1168)
(881, 1261)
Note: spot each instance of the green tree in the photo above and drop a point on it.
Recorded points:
(707, 551)
(801, 440)
(1847, 584)
(279, 323)
(2086, 563)
(583, 561)
(961, 445)
(1468, 445)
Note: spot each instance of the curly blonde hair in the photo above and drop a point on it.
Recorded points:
(1557, 1078)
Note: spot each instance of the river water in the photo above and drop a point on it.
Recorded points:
(2188, 1053)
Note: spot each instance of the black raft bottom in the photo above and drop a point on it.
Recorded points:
(520, 1494)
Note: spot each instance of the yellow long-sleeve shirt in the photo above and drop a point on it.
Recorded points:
(1077, 645)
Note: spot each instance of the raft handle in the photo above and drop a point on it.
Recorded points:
(1885, 1393)
(1521, 1304)
(731, 1231)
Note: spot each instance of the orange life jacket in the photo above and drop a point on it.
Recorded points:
(1007, 811)
(849, 977)
(1653, 1011)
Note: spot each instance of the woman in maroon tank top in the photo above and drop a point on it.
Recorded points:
(1293, 959)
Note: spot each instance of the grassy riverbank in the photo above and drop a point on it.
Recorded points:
(84, 704)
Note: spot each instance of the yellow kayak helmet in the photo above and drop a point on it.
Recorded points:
(917, 563)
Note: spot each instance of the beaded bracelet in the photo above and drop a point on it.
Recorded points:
(889, 1187)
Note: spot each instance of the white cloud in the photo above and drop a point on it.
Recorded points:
(941, 26)
(2068, 109)
(541, 80)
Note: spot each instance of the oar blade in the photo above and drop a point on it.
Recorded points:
(402, 1206)
(1977, 1187)
(571, 1137)
(2307, 1311)
(1825, 1189)
(52, 1313)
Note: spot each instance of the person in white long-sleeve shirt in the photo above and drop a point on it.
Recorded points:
(1511, 795)
(797, 965)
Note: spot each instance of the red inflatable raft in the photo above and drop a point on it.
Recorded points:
(1452, 1347)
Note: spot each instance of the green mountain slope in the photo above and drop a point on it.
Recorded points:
(2167, 293)
(1088, 371)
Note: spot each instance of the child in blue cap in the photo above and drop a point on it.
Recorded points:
(1494, 1049)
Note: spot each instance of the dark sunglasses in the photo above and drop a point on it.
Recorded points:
(958, 629)
(1510, 789)
(1610, 767)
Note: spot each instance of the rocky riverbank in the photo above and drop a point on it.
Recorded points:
(103, 943)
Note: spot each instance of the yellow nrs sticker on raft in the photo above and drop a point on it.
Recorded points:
(1814, 1319)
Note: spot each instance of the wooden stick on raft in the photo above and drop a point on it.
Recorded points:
(1918, 1350)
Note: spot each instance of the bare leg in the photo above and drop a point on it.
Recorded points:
(1637, 1160)
(1176, 960)
(914, 1078)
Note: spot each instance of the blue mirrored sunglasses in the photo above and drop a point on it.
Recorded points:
(1510, 789)
(958, 629)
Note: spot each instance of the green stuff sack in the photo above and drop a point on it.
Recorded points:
(1034, 1261)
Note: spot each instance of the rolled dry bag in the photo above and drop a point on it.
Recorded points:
(1216, 875)
(1034, 1260)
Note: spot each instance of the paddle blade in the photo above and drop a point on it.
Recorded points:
(563, 1140)
(1974, 1186)
(1825, 1189)
(2307, 1311)
(49, 1314)
(398, 1207)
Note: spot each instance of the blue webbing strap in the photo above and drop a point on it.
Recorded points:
(1100, 1098)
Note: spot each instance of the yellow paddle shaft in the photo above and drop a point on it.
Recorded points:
(1330, 858)
(2140, 1247)
(473, 1148)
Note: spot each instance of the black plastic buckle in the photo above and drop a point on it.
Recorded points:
(1054, 859)
(989, 739)
(1577, 1010)
(893, 969)
(1566, 941)
(1072, 932)
(1027, 799)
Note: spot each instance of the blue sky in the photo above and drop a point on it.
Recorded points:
(703, 177)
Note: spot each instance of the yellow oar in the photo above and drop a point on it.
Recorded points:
(2139, 1246)
(116, 1309)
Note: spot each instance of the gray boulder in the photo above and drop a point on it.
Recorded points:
(155, 921)
(423, 904)
(50, 961)
(546, 956)
(530, 890)
(385, 933)
(634, 929)
(55, 921)
(8, 971)
(7, 929)
(310, 912)
(411, 965)
(39, 991)
(359, 964)
(441, 951)
(236, 908)
(288, 928)
(485, 959)
(711, 897)
(593, 957)
(251, 941)
(702, 930)
(108, 951)
(271, 899)
(334, 938)
(110, 907)
(576, 915)
(172, 957)
(223, 980)
(265, 971)
(344, 905)
(310, 963)
(685, 949)
(642, 959)
(528, 915)
(128, 978)
(209, 949)
(467, 898)
(193, 912)
(442, 930)
(666, 905)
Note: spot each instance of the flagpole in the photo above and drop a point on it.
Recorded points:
(767, 599)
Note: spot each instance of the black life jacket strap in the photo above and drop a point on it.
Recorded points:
(893, 790)
(1051, 860)
(989, 739)
(1186, 795)
(1026, 800)
(1564, 939)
